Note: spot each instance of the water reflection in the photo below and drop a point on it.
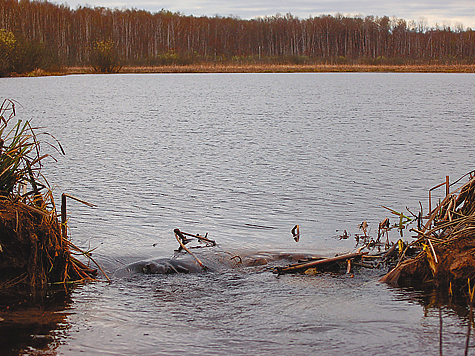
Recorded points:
(239, 309)
(446, 316)
(33, 325)
(434, 299)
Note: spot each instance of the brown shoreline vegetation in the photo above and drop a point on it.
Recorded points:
(35, 252)
(297, 68)
(271, 68)
(446, 243)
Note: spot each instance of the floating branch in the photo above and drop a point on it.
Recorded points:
(201, 238)
(180, 238)
(319, 264)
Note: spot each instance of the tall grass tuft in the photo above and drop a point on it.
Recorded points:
(21, 158)
(34, 253)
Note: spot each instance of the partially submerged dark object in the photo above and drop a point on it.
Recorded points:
(296, 233)
(442, 256)
(161, 266)
(208, 256)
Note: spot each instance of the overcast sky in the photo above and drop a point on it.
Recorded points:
(432, 12)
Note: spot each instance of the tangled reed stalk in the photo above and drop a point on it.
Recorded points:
(447, 243)
(33, 251)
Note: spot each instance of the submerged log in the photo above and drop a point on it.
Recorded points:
(318, 264)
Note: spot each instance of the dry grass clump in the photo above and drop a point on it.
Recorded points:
(285, 68)
(33, 250)
(447, 243)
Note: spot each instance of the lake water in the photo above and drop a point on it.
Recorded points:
(245, 157)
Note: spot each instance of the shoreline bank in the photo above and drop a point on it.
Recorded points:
(270, 68)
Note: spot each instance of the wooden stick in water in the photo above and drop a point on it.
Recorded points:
(319, 263)
(199, 237)
(179, 236)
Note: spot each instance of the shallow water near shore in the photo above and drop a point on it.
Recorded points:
(245, 157)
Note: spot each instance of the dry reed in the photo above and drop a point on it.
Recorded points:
(34, 253)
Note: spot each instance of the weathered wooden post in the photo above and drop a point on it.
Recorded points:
(64, 229)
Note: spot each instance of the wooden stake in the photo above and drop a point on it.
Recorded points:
(64, 229)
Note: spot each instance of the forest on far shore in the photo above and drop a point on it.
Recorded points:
(44, 35)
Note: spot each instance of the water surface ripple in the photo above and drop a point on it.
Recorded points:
(245, 157)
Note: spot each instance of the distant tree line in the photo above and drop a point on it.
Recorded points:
(47, 35)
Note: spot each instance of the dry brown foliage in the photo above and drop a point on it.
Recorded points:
(447, 241)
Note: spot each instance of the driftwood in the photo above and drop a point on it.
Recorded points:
(318, 264)
(182, 241)
(203, 239)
